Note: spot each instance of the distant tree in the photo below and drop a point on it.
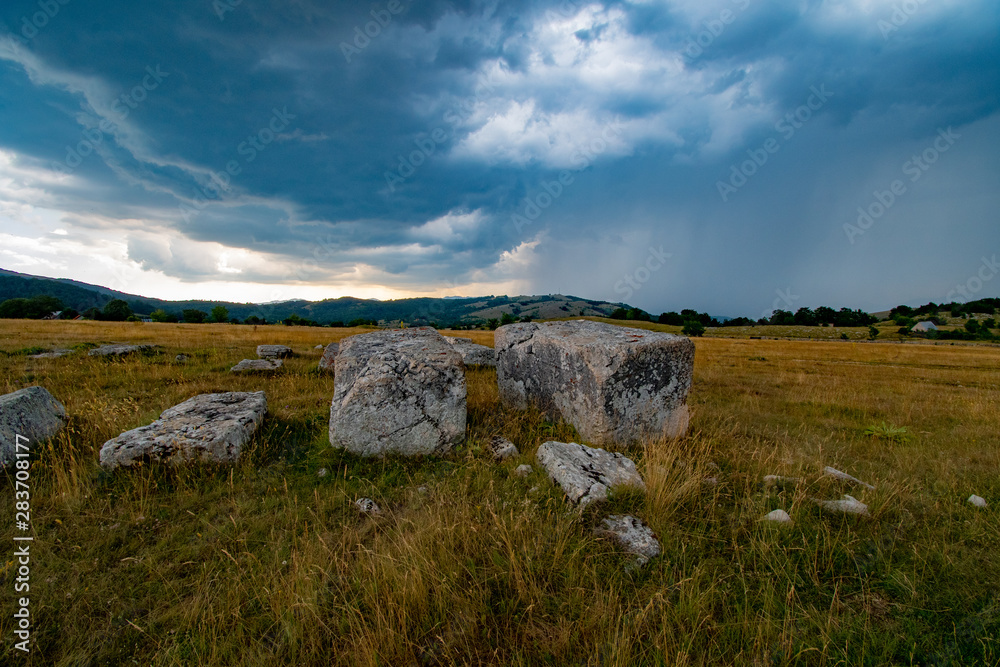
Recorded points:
(92, 314)
(619, 314)
(904, 321)
(507, 318)
(69, 314)
(873, 331)
(805, 317)
(989, 323)
(826, 315)
(14, 309)
(693, 328)
(904, 331)
(492, 323)
(905, 311)
(253, 319)
(337, 323)
(671, 318)
(159, 315)
(116, 310)
(220, 314)
(972, 326)
(194, 316)
(782, 318)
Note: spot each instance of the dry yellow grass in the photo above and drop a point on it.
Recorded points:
(267, 563)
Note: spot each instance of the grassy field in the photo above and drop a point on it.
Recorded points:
(268, 563)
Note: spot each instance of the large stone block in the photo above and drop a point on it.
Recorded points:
(398, 392)
(32, 413)
(208, 427)
(614, 384)
(274, 351)
(473, 354)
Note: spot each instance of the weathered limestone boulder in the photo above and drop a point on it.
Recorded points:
(778, 516)
(32, 413)
(52, 354)
(632, 535)
(586, 473)
(846, 505)
(120, 350)
(274, 351)
(208, 427)
(614, 384)
(977, 501)
(257, 365)
(473, 354)
(844, 477)
(329, 354)
(398, 391)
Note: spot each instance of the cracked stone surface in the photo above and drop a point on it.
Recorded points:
(614, 384)
(632, 535)
(207, 428)
(398, 392)
(473, 354)
(274, 351)
(53, 354)
(120, 350)
(367, 506)
(257, 365)
(31, 412)
(523, 470)
(329, 355)
(586, 473)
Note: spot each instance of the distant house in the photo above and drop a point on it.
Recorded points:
(145, 318)
(925, 326)
(53, 315)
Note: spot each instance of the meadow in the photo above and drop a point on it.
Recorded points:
(268, 562)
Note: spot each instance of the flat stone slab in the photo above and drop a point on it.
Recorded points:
(257, 365)
(398, 391)
(31, 413)
(473, 354)
(329, 355)
(586, 473)
(614, 384)
(844, 477)
(632, 535)
(274, 351)
(206, 428)
(120, 350)
(52, 354)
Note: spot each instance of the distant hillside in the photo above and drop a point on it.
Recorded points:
(82, 296)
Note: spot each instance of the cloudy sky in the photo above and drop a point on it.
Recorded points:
(727, 155)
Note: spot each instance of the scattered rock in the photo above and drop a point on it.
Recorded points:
(503, 448)
(257, 365)
(977, 501)
(422, 489)
(585, 473)
(318, 347)
(844, 477)
(32, 413)
(779, 480)
(847, 505)
(322, 472)
(181, 358)
(633, 536)
(329, 355)
(208, 427)
(614, 384)
(274, 351)
(778, 516)
(523, 470)
(710, 482)
(398, 391)
(120, 350)
(473, 354)
(367, 506)
(52, 354)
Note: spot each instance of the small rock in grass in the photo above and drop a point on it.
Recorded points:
(274, 351)
(322, 472)
(778, 516)
(847, 505)
(844, 477)
(421, 489)
(119, 350)
(586, 473)
(54, 354)
(710, 482)
(318, 347)
(367, 506)
(523, 470)
(779, 480)
(633, 536)
(977, 501)
(257, 365)
(181, 358)
(502, 448)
